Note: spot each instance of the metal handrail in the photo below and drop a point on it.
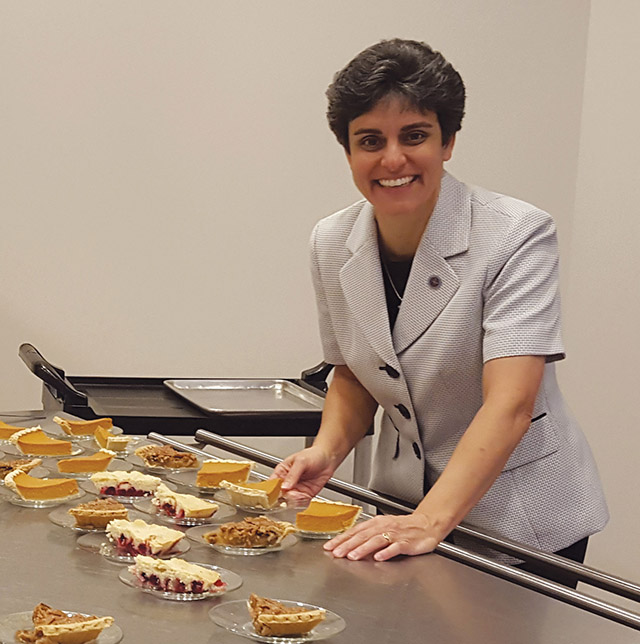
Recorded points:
(568, 595)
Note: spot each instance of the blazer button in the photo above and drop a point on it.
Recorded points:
(435, 281)
(390, 371)
(403, 410)
(416, 450)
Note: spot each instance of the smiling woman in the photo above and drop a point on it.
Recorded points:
(439, 303)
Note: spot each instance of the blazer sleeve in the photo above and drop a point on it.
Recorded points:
(331, 350)
(521, 298)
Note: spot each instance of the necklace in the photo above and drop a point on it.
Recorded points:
(393, 286)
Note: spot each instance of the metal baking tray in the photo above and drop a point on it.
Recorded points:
(260, 396)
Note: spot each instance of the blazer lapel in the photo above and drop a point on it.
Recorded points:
(363, 287)
(432, 282)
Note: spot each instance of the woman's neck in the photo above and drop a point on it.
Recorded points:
(399, 237)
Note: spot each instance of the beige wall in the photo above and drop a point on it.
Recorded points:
(602, 303)
(162, 164)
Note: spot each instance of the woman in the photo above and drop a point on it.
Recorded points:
(439, 303)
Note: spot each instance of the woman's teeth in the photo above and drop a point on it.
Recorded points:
(394, 183)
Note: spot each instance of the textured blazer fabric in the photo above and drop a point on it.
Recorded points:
(483, 285)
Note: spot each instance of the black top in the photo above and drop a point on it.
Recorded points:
(395, 274)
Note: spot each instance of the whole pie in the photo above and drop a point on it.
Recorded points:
(33, 489)
(106, 439)
(165, 456)
(252, 532)
(82, 427)
(119, 483)
(274, 619)
(98, 513)
(23, 464)
(327, 516)
(6, 431)
(175, 575)
(52, 626)
(97, 462)
(182, 505)
(141, 538)
(213, 472)
(34, 441)
(264, 494)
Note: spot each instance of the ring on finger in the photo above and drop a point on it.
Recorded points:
(386, 537)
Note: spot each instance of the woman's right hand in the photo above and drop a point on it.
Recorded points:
(304, 473)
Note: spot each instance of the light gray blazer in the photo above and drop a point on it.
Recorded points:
(483, 285)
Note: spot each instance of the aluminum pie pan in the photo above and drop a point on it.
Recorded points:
(256, 396)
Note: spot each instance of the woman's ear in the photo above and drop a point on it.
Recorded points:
(447, 148)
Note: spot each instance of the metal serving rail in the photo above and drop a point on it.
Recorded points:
(592, 576)
(429, 599)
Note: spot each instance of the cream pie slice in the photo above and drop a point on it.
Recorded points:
(119, 483)
(252, 532)
(275, 619)
(52, 626)
(182, 505)
(264, 494)
(141, 538)
(176, 575)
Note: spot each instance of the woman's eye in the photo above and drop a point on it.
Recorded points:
(414, 137)
(370, 143)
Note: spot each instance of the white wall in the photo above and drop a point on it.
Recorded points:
(162, 164)
(602, 303)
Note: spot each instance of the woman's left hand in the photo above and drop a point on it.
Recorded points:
(386, 537)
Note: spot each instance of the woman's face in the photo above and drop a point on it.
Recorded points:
(396, 158)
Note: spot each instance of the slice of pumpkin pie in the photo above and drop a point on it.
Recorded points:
(327, 516)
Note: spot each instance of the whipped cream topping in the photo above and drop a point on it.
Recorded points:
(23, 432)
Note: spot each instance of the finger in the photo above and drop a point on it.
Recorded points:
(343, 536)
(354, 547)
(391, 551)
(292, 476)
(373, 544)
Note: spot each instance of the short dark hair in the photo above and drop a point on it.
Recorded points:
(405, 68)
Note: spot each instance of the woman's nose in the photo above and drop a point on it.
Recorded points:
(393, 157)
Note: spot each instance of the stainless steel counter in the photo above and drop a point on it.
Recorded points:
(417, 599)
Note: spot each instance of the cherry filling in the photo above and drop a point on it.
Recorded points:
(171, 510)
(123, 491)
(175, 585)
(125, 545)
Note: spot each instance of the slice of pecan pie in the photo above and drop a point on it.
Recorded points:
(52, 626)
(24, 464)
(96, 514)
(273, 618)
(165, 456)
(252, 532)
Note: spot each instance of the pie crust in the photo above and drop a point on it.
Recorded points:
(97, 462)
(107, 440)
(34, 441)
(182, 505)
(272, 618)
(165, 456)
(82, 427)
(6, 431)
(327, 516)
(23, 464)
(252, 532)
(175, 575)
(264, 494)
(98, 513)
(119, 483)
(141, 538)
(52, 626)
(33, 489)
(213, 472)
